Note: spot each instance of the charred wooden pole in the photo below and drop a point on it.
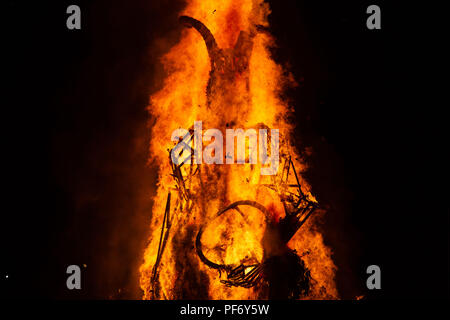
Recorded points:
(162, 244)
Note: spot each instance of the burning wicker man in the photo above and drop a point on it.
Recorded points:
(279, 272)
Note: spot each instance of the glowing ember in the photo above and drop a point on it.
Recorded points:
(221, 231)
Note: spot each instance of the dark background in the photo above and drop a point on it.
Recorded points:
(74, 142)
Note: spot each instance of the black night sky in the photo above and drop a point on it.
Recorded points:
(75, 137)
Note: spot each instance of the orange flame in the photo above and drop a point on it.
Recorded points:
(250, 100)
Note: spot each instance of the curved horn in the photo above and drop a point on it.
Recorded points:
(198, 242)
(211, 43)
